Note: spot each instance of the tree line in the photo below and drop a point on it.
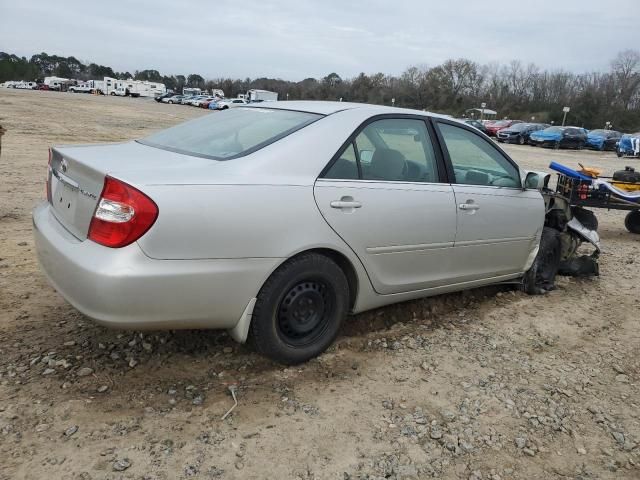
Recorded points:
(514, 90)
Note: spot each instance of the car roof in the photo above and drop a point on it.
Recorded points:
(328, 108)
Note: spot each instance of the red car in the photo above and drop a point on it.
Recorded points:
(494, 127)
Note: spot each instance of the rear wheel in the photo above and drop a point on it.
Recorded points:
(300, 309)
(521, 140)
(556, 146)
(632, 221)
(540, 278)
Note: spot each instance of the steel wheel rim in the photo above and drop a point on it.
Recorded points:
(304, 312)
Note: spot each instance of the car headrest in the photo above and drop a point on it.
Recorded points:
(387, 164)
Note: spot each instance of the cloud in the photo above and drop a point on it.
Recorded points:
(295, 40)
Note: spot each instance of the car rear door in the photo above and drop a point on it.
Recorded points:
(384, 194)
(498, 224)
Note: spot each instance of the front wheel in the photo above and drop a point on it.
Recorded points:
(521, 140)
(540, 278)
(632, 221)
(300, 309)
(556, 146)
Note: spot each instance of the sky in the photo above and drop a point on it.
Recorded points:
(296, 39)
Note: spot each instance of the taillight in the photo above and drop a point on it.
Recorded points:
(122, 216)
(48, 182)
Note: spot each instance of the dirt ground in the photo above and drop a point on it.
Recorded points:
(486, 384)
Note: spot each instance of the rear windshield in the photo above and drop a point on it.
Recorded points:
(231, 133)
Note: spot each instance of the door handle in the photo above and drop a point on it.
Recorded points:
(345, 204)
(469, 206)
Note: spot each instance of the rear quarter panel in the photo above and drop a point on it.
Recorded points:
(236, 221)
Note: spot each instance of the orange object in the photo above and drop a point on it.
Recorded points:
(590, 171)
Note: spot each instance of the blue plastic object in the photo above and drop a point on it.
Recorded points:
(569, 172)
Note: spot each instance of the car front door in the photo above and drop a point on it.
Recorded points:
(499, 223)
(383, 194)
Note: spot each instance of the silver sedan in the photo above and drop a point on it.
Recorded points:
(276, 221)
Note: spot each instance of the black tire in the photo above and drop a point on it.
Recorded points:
(300, 309)
(619, 153)
(521, 140)
(556, 146)
(632, 221)
(586, 217)
(540, 278)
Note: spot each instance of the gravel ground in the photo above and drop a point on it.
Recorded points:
(485, 384)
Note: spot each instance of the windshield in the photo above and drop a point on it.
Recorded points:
(231, 133)
(555, 129)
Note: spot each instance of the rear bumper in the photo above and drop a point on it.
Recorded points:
(124, 288)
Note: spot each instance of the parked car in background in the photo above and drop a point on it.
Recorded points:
(42, 86)
(82, 88)
(213, 104)
(494, 127)
(159, 98)
(559, 137)
(200, 100)
(519, 133)
(173, 99)
(474, 123)
(603, 139)
(230, 103)
(187, 98)
(206, 103)
(184, 228)
(629, 145)
(194, 102)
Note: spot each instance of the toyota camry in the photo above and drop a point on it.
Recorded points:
(277, 221)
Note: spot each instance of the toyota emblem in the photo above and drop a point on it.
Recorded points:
(64, 165)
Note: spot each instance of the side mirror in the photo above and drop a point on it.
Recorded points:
(535, 180)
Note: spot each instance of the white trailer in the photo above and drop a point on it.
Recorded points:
(191, 91)
(56, 83)
(261, 96)
(133, 88)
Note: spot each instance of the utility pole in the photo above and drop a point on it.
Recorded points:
(482, 107)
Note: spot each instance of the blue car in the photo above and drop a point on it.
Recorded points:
(603, 139)
(559, 137)
(629, 145)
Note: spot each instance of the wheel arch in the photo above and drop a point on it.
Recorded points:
(340, 259)
(241, 329)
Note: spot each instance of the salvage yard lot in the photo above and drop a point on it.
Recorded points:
(484, 384)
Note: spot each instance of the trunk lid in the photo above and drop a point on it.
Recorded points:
(77, 173)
